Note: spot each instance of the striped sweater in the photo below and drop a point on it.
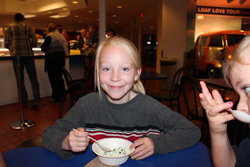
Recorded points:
(141, 116)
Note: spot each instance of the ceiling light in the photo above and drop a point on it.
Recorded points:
(52, 6)
(55, 16)
(29, 16)
(60, 15)
(114, 15)
(119, 6)
(200, 17)
(65, 9)
(75, 2)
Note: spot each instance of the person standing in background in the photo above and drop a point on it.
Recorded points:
(19, 39)
(82, 40)
(56, 49)
(93, 40)
(63, 32)
(92, 43)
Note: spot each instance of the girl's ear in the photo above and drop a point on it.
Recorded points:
(137, 75)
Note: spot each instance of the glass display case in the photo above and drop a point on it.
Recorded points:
(4, 52)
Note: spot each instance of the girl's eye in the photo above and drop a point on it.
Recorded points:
(125, 69)
(247, 90)
(105, 69)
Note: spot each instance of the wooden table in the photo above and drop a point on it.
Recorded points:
(146, 75)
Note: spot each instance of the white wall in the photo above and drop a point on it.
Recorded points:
(171, 36)
(173, 29)
(209, 23)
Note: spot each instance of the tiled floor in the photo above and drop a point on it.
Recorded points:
(43, 117)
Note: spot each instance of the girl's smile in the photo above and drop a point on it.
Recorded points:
(117, 74)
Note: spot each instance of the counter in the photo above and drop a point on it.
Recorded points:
(8, 87)
(4, 52)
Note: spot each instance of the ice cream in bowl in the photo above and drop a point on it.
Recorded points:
(120, 150)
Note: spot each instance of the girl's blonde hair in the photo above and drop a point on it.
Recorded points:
(240, 55)
(132, 51)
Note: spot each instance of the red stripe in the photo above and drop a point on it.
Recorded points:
(101, 134)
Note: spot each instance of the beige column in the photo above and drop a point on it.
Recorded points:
(172, 26)
(172, 31)
(102, 20)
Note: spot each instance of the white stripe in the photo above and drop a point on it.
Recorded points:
(122, 132)
(121, 135)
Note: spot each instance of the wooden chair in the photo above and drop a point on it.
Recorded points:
(195, 113)
(67, 77)
(68, 80)
(75, 91)
(173, 94)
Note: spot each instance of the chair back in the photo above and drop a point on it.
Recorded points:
(191, 89)
(195, 112)
(67, 77)
(175, 89)
(173, 94)
(75, 91)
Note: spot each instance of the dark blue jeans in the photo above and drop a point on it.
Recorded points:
(27, 63)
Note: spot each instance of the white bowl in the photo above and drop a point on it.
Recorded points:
(113, 143)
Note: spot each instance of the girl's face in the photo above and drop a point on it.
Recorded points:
(117, 74)
(240, 79)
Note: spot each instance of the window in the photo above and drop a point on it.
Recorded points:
(233, 39)
(216, 41)
(203, 41)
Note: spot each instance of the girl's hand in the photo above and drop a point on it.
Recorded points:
(77, 140)
(144, 147)
(215, 109)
